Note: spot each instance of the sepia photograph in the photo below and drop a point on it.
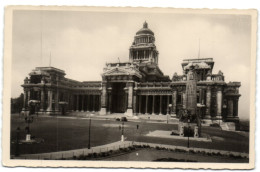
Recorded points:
(129, 87)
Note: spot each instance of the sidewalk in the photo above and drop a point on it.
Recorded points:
(125, 144)
(138, 118)
(77, 152)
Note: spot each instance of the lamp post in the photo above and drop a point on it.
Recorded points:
(89, 133)
(122, 133)
(17, 150)
(28, 120)
(170, 107)
(188, 131)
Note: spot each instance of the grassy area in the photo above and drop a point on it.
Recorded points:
(72, 133)
(148, 154)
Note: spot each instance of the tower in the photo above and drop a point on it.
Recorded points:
(143, 49)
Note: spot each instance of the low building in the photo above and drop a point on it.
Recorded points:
(136, 87)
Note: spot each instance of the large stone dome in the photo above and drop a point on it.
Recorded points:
(145, 30)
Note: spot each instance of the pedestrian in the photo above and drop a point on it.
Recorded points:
(137, 126)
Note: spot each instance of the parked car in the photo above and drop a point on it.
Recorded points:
(124, 119)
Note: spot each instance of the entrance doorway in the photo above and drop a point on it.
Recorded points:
(118, 102)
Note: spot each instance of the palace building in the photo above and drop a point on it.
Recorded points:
(136, 87)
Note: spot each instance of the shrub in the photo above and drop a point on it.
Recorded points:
(191, 151)
(95, 155)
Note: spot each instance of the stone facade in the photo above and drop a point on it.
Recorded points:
(136, 87)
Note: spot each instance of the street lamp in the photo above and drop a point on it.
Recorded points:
(188, 131)
(28, 120)
(89, 133)
(170, 107)
(122, 133)
(17, 150)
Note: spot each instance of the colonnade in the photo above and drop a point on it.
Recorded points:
(86, 102)
(154, 104)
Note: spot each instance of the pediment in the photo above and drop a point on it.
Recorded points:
(120, 71)
(117, 71)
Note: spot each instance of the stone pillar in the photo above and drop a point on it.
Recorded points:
(219, 104)
(70, 104)
(93, 104)
(134, 103)
(24, 100)
(140, 103)
(174, 102)
(129, 111)
(235, 114)
(200, 96)
(153, 105)
(57, 101)
(160, 113)
(29, 97)
(230, 108)
(208, 103)
(42, 101)
(49, 109)
(168, 99)
(109, 101)
(82, 101)
(77, 105)
(103, 99)
(146, 104)
(184, 100)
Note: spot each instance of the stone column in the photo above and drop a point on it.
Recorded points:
(57, 101)
(109, 100)
(230, 108)
(93, 105)
(184, 100)
(168, 100)
(49, 109)
(153, 105)
(174, 102)
(82, 106)
(134, 103)
(24, 100)
(140, 103)
(77, 105)
(200, 96)
(146, 104)
(130, 100)
(219, 104)
(42, 101)
(103, 99)
(70, 102)
(208, 103)
(88, 103)
(235, 107)
(29, 97)
(160, 113)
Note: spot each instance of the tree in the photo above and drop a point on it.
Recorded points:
(17, 104)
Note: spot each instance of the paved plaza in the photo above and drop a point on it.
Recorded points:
(68, 133)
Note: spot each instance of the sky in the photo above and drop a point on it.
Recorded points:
(81, 42)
